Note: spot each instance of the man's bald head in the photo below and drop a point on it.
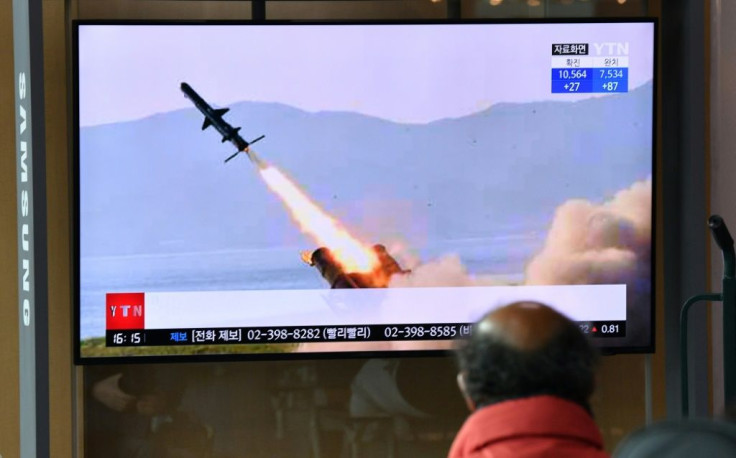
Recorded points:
(527, 349)
(525, 326)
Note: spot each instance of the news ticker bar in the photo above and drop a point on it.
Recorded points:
(349, 307)
(306, 334)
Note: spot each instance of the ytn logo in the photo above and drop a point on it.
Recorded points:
(611, 48)
(125, 311)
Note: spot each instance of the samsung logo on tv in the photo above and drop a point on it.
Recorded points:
(24, 204)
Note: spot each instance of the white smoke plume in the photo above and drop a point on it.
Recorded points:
(608, 243)
(598, 244)
(445, 271)
(587, 243)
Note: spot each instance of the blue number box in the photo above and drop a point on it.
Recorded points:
(572, 80)
(571, 86)
(613, 79)
(572, 74)
(583, 80)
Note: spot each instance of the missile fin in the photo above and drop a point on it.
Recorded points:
(257, 139)
(206, 123)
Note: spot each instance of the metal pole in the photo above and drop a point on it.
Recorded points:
(684, 376)
(725, 242)
(729, 339)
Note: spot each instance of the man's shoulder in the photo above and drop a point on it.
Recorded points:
(534, 426)
(533, 449)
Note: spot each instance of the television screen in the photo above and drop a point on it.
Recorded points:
(287, 190)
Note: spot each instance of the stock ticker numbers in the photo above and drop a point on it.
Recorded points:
(597, 329)
(590, 68)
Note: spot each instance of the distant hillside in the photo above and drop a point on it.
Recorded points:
(159, 184)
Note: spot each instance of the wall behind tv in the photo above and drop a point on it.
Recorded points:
(9, 428)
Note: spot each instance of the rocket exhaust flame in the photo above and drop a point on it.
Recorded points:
(335, 274)
(255, 159)
(350, 252)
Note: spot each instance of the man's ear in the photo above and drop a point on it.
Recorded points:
(464, 390)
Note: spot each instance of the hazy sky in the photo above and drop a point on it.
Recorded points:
(408, 74)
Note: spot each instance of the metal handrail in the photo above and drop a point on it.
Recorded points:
(723, 239)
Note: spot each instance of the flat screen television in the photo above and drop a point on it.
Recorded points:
(392, 183)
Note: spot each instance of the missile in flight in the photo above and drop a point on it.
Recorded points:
(214, 117)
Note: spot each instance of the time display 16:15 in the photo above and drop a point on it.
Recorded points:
(120, 338)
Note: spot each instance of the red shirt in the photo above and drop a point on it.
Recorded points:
(538, 426)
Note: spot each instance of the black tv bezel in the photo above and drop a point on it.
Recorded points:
(75, 230)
